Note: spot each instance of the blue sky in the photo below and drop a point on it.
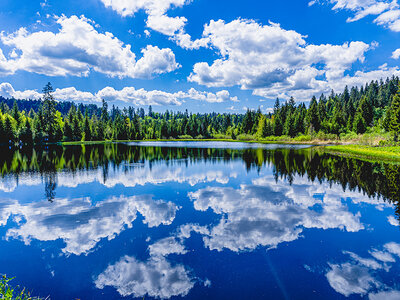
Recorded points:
(199, 55)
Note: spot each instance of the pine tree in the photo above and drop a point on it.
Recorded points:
(359, 125)
(313, 117)
(262, 127)
(278, 125)
(49, 112)
(394, 124)
(366, 110)
(8, 130)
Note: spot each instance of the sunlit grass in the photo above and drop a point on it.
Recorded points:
(8, 292)
(389, 153)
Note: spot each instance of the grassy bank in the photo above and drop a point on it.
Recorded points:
(260, 141)
(8, 292)
(372, 139)
(366, 152)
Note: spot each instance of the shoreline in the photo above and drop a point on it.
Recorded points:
(335, 147)
(288, 142)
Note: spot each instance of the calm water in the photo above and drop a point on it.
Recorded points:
(199, 220)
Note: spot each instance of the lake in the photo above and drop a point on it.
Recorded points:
(199, 221)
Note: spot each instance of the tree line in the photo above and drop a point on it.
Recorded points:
(374, 179)
(375, 106)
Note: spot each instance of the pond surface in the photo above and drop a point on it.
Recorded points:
(199, 221)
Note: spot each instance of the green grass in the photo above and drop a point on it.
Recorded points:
(368, 152)
(277, 140)
(8, 292)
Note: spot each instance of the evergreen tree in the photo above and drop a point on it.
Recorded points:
(312, 116)
(394, 124)
(359, 126)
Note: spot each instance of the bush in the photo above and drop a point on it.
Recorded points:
(303, 138)
(325, 136)
(373, 139)
(221, 136)
(8, 292)
(245, 137)
(185, 137)
(349, 136)
(273, 138)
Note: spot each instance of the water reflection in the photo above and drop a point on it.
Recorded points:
(80, 223)
(257, 214)
(83, 164)
(194, 221)
(361, 275)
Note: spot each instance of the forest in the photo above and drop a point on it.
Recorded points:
(374, 107)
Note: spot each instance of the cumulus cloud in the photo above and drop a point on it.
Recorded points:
(153, 7)
(155, 278)
(156, 11)
(348, 279)
(385, 295)
(270, 60)
(360, 275)
(166, 246)
(129, 95)
(396, 54)
(77, 49)
(79, 223)
(267, 214)
(387, 12)
(7, 91)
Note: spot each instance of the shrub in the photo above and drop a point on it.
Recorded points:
(185, 137)
(303, 138)
(7, 292)
(245, 137)
(221, 136)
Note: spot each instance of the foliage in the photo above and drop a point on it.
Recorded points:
(7, 292)
(355, 111)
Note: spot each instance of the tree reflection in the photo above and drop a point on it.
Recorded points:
(378, 180)
(50, 180)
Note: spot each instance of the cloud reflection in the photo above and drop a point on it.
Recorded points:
(361, 275)
(139, 176)
(268, 213)
(79, 223)
(155, 278)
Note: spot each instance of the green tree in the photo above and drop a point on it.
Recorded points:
(312, 117)
(359, 124)
(394, 124)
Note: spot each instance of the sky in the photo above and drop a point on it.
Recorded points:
(200, 55)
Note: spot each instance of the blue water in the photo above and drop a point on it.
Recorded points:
(214, 224)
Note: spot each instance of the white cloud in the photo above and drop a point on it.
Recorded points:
(385, 295)
(396, 54)
(155, 278)
(7, 91)
(251, 219)
(77, 49)
(79, 223)
(129, 95)
(348, 279)
(153, 7)
(270, 60)
(359, 276)
(393, 248)
(387, 11)
(166, 25)
(157, 174)
(165, 247)
(382, 256)
(156, 11)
